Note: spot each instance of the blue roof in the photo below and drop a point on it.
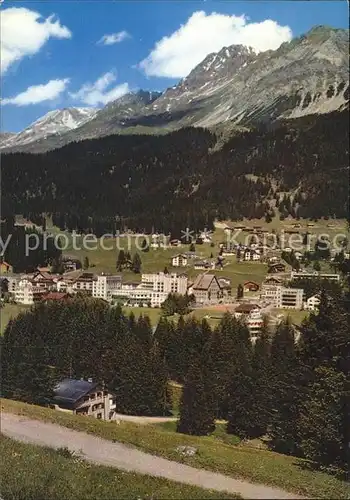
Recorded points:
(70, 390)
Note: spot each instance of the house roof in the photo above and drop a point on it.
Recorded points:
(44, 270)
(200, 262)
(85, 277)
(224, 283)
(251, 283)
(316, 296)
(4, 263)
(246, 308)
(71, 390)
(272, 279)
(55, 296)
(69, 258)
(203, 281)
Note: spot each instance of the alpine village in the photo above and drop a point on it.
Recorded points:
(175, 277)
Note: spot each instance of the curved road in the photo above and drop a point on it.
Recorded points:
(117, 455)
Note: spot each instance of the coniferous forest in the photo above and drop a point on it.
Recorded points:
(183, 179)
(292, 389)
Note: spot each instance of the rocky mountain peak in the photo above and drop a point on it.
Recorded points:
(55, 122)
(308, 75)
(140, 97)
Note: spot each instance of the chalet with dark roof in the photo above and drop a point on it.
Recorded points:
(247, 309)
(251, 286)
(84, 397)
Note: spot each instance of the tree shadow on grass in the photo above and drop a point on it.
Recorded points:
(311, 466)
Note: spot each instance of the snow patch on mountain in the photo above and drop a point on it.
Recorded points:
(53, 123)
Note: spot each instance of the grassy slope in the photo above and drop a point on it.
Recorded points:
(33, 473)
(258, 466)
(296, 316)
(156, 260)
(8, 312)
(103, 260)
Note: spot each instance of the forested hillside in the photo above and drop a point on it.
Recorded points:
(182, 180)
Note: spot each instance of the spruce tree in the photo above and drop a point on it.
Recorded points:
(261, 372)
(193, 341)
(143, 330)
(324, 354)
(240, 388)
(224, 348)
(166, 338)
(196, 411)
(240, 291)
(159, 395)
(323, 426)
(325, 338)
(284, 391)
(144, 245)
(136, 264)
(141, 385)
(121, 260)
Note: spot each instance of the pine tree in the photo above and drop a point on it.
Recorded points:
(324, 354)
(261, 371)
(196, 412)
(120, 260)
(141, 385)
(240, 291)
(57, 266)
(132, 322)
(136, 264)
(143, 330)
(166, 338)
(284, 391)
(160, 398)
(193, 341)
(240, 415)
(316, 266)
(144, 245)
(322, 424)
(86, 263)
(224, 348)
(325, 339)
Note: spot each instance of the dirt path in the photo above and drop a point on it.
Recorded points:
(118, 455)
(144, 420)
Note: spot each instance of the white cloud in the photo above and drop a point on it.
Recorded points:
(113, 38)
(38, 93)
(174, 56)
(24, 32)
(97, 93)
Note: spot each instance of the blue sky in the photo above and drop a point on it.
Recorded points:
(92, 52)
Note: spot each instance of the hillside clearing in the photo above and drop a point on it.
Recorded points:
(243, 462)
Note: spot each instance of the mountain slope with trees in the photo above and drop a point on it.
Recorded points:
(179, 180)
(304, 409)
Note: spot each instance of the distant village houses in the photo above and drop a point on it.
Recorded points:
(179, 260)
(207, 289)
(5, 268)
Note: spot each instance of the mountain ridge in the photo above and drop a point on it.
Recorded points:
(308, 75)
(54, 122)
